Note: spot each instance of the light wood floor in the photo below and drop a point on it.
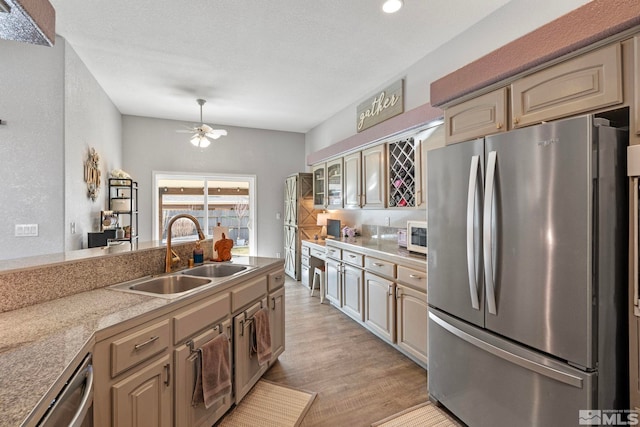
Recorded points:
(359, 378)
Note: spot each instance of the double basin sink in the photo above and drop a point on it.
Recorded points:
(177, 284)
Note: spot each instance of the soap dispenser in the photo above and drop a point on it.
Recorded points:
(198, 253)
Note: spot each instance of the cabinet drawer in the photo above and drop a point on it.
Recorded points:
(317, 253)
(276, 280)
(353, 258)
(581, 84)
(478, 117)
(139, 346)
(247, 293)
(304, 260)
(306, 250)
(380, 267)
(414, 278)
(334, 253)
(192, 320)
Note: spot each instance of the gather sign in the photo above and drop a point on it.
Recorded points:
(382, 106)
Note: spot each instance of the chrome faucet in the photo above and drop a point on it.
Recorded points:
(173, 257)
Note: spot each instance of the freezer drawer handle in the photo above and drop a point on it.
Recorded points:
(471, 264)
(530, 365)
(487, 236)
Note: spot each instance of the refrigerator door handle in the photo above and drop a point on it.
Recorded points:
(634, 249)
(523, 362)
(471, 265)
(487, 236)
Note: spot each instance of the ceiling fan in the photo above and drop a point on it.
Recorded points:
(202, 132)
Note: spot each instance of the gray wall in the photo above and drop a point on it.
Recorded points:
(31, 147)
(54, 110)
(154, 145)
(91, 120)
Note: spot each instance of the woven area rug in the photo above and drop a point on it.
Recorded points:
(270, 405)
(423, 415)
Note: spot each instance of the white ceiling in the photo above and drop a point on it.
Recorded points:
(281, 64)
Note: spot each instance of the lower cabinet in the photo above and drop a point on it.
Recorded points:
(411, 322)
(380, 307)
(144, 397)
(185, 360)
(247, 370)
(276, 323)
(333, 272)
(345, 288)
(145, 370)
(352, 292)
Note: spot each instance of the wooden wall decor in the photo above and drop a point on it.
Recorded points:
(382, 106)
(92, 174)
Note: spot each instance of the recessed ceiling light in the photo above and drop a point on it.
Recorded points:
(392, 6)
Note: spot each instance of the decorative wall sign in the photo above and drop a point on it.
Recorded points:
(92, 174)
(382, 106)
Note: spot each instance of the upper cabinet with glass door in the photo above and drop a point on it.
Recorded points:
(327, 185)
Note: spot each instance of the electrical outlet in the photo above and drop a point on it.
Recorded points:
(387, 221)
(72, 227)
(277, 215)
(277, 254)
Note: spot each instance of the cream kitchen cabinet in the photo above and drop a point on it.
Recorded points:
(130, 390)
(345, 282)
(586, 83)
(353, 180)
(581, 84)
(144, 397)
(365, 177)
(411, 312)
(411, 321)
(476, 118)
(186, 359)
(276, 313)
(327, 185)
(333, 272)
(380, 306)
(374, 177)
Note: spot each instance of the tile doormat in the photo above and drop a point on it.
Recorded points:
(422, 415)
(270, 405)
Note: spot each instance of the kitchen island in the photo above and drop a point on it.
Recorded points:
(41, 344)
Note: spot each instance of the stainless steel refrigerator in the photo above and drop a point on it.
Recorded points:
(527, 274)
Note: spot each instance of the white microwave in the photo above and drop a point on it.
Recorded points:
(417, 236)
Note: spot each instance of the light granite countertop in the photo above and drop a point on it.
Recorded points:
(386, 248)
(38, 343)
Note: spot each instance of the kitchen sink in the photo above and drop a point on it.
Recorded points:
(164, 286)
(216, 270)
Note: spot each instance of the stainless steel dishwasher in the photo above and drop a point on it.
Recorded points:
(73, 407)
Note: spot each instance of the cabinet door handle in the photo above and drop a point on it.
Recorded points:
(147, 342)
(167, 370)
(390, 290)
(398, 293)
(415, 276)
(352, 256)
(376, 264)
(273, 300)
(278, 277)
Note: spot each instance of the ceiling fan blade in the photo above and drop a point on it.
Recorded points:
(216, 133)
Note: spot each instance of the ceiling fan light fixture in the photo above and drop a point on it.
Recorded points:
(200, 141)
(203, 132)
(392, 6)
